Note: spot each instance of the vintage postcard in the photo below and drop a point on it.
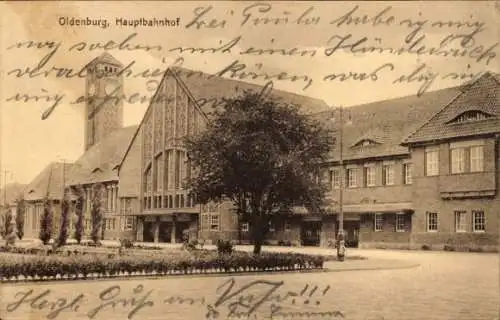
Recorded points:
(249, 160)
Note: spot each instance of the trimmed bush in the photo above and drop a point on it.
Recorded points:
(37, 267)
(224, 247)
(126, 243)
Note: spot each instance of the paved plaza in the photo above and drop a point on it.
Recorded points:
(444, 286)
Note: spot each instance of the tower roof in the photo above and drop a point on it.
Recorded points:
(106, 58)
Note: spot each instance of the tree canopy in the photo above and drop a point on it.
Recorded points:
(262, 155)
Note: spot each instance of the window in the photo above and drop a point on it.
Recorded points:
(129, 223)
(400, 223)
(408, 173)
(476, 159)
(379, 222)
(369, 176)
(460, 222)
(458, 160)
(334, 179)
(431, 162)
(214, 222)
(467, 156)
(352, 178)
(432, 221)
(471, 115)
(388, 175)
(288, 226)
(478, 221)
(245, 227)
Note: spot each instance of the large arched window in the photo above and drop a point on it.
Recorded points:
(164, 181)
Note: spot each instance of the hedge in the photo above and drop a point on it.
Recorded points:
(35, 268)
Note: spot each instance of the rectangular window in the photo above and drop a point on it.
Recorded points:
(129, 223)
(460, 222)
(214, 222)
(379, 222)
(177, 173)
(335, 179)
(478, 221)
(477, 159)
(458, 160)
(432, 221)
(408, 173)
(388, 175)
(352, 178)
(369, 176)
(245, 226)
(431, 162)
(400, 222)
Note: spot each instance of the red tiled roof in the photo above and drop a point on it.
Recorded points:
(99, 163)
(483, 95)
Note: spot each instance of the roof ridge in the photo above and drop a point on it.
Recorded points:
(445, 107)
(244, 82)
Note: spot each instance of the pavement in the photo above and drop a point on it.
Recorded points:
(444, 286)
(353, 261)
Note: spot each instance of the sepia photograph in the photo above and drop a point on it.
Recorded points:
(274, 160)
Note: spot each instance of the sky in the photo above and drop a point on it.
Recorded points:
(28, 144)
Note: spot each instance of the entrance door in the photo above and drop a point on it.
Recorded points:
(351, 229)
(310, 233)
(165, 232)
(179, 229)
(148, 234)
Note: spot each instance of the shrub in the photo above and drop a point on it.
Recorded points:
(63, 231)
(79, 214)
(46, 222)
(21, 212)
(96, 213)
(426, 247)
(449, 248)
(13, 266)
(126, 243)
(224, 247)
(7, 226)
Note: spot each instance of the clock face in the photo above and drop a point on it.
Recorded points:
(92, 90)
(110, 87)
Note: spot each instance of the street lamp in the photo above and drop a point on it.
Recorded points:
(340, 234)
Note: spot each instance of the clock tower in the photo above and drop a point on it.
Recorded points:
(104, 99)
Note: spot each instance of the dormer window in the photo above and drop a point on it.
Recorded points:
(96, 170)
(471, 116)
(365, 143)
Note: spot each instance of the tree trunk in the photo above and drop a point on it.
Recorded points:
(257, 234)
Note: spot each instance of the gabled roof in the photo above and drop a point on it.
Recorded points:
(209, 90)
(12, 192)
(482, 96)
(386, 122)
(99, 163)
(49, 182)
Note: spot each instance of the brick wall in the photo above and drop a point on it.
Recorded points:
(427, 197)
(399, 192)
